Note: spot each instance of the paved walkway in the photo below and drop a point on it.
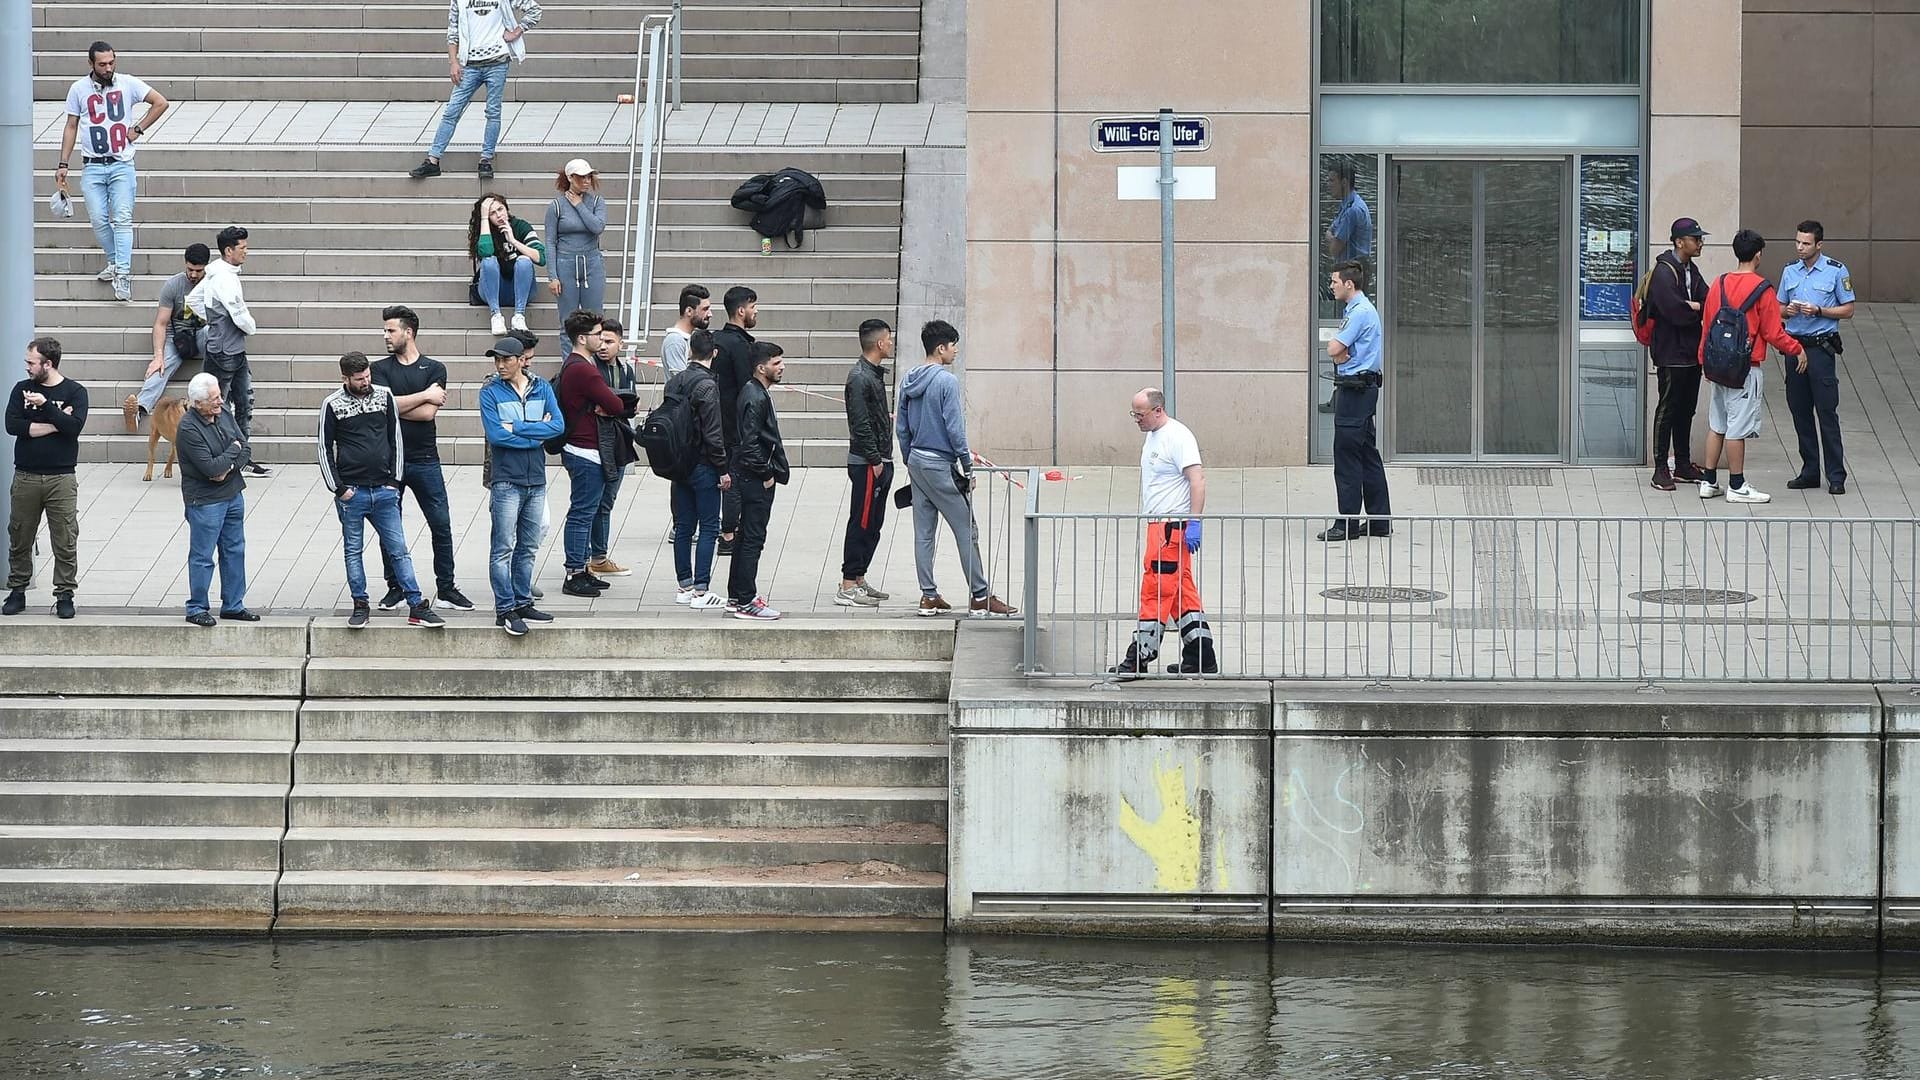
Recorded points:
(538, 123)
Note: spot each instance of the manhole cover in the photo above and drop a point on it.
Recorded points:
(1382, 594)
(1703, 597)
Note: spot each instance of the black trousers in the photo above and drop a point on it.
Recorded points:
(756, 509)
(730, 510)
(1673, 416)
(866, 513)
(1359, 478)
(1814, 399)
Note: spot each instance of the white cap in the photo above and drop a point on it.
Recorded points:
(579, 167)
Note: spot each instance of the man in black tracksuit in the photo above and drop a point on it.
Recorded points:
(759, 463)
(1675, 292)
(733, 369)
(869, 463)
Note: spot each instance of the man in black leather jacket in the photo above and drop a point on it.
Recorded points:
(759, 463)
(869, 463)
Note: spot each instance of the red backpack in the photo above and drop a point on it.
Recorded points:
(1642, 315)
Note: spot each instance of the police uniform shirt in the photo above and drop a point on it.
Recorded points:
(1360, 333)
(1828, 284)
(1353, 226)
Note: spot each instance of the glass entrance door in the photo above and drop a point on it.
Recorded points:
(1476, 302)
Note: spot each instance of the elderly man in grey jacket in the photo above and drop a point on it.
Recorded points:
(212, 452)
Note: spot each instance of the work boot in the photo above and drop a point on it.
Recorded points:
(16, 603)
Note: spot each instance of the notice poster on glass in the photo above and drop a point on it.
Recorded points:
(1609, 236)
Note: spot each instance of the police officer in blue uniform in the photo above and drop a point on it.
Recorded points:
(1815, 294)
(1359, 478)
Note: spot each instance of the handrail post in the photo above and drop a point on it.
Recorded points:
(677, 14)
(638, 307)
(1030, 588)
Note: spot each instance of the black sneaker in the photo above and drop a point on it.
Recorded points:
(454, 599)
(16, 603)
(486, 169)
(422, 614)
(358, 620)
(580, 585)
(242, 615)
(511, 623)
(534, 614)
(725, 547)
(203, 618)
(63, 605)
(394, 598)
(1802, 483)
(254, 468)
(426, 168)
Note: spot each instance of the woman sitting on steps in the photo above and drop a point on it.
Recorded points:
(504, 249)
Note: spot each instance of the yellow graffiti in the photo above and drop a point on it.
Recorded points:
(1172, 840)
(1174, 1041)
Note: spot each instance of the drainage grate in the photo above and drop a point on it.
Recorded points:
(1484, 476)
(1382, 594)
(1704, 597)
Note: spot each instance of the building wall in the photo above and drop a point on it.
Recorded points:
(1694, 125)
(1831, 130)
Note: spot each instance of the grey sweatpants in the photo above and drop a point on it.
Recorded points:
(936, 496)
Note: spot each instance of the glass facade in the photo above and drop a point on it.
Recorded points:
(1480, 42)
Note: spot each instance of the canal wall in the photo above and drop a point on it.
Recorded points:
(1535, 812)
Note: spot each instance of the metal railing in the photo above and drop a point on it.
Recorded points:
(656, 64)
(1643, 600)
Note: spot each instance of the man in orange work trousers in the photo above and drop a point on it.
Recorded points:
(1173, 492)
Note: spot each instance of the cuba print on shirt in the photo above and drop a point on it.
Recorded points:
(106, 114)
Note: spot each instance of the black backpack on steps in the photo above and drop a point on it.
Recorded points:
(784, 204)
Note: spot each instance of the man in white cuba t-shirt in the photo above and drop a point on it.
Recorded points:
(102, 103)
(1173, 493)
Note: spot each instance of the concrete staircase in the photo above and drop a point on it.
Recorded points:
(639, 772)
(735, 50)
(337, 233)
(157, 799)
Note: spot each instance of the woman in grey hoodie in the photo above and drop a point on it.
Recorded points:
(575, 219)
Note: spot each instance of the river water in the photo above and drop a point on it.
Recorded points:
(588, 1006)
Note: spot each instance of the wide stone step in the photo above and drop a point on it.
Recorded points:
(302, 420)
(528, 170)
(709, 38)
(139, 847)
(288, 450)
(826, 890)
(795, 14)
(811, 646)
(257, 805)
(148, 718)
(618, 679)
(582, 806)
(608, 721)
(913, 847)
(525, 87)
(228, 899)
(611, 763)
(105, 374)
(527, 192)
(232, 761)
(151, 675)
(824, 415)
(166, 69)
(685, 224)
(162, 639)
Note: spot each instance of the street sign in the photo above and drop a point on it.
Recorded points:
(1114, 134)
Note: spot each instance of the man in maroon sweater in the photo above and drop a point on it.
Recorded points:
(584, 398)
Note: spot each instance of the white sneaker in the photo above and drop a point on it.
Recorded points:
(519, 321)
(123, 287)
(854, 597)
(707, 601)
(1747, 493)
(683, 596)
(497, 325)
(107, 274)
(757, 611)
(1708, 489)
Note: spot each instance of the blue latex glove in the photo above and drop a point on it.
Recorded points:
(1193, 535)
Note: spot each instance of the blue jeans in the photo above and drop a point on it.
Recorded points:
(522, 283)
(429, 487)
(583, 505)
(516, 539)
(380, 505)
(696, 502)
(599, 538)
(156, 384)
(222, 527)
(109, 197)
(471, 78)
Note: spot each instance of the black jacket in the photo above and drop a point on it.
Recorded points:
(360, 443)
(1676, 327)
(759, 453)
(732, 369)
(702, 392)
(869, 424)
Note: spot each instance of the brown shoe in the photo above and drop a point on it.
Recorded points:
(130, 409)
(933, 605)
(991, 606)
(604, 567)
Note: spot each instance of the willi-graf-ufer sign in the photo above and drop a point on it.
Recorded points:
(1114, 134)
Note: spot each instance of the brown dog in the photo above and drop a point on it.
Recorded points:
(163, 424)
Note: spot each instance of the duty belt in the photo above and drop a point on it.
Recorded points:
(1366, 380)
(1830, 341)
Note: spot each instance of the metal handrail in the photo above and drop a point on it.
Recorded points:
(656, 64)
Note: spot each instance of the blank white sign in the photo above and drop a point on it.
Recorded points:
(1143, 182)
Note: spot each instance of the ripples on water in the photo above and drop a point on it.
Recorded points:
(531, 1007)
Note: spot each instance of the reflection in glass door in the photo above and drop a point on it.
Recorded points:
(1477, 308)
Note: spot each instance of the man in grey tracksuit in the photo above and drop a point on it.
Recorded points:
(932, 434)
